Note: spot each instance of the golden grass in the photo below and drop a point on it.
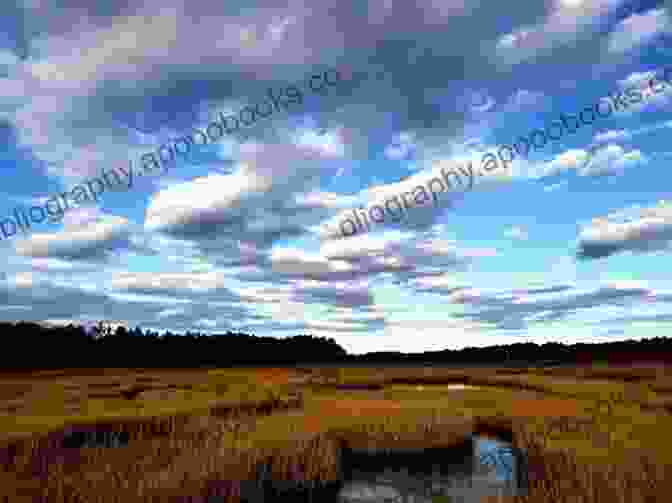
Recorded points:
(52, 403)
(591, 434)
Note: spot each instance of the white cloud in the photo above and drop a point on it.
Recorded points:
(650, 230)
(612, 159)
(563, 25)
(568, 160)
(608, 136)
(84, 241)
(656, 97)
(171, 283)
(422, 197)
(67, 99)
(638, 30)
(517, 232)
(270, 196)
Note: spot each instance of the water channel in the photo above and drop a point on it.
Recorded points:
(480, 466)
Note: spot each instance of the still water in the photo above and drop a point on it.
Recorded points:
(479, 467)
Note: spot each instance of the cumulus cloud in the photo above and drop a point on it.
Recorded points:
(83, 78)
(365, 257)
(271, 196)
(656, 97)
(249, 207)
(639, 29)
(610, 159)
(568, 160)
(563, 24)
(92, 240)
(419, 200)
(650, 230)
(610, 136)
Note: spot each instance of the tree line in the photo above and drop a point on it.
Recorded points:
(34, 346)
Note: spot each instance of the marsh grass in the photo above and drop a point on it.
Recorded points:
(590, 435)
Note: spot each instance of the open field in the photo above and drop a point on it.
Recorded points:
(591, 434)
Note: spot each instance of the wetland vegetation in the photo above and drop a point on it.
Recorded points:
(581, 433)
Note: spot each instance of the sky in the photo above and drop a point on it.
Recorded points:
(568, 242)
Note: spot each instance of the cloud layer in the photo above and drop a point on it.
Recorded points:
(480, 242)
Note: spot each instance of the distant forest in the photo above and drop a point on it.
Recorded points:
(33, 346)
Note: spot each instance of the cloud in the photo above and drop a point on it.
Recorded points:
(250, 207)
(418, 200)
(269, 197)
(568, 160)
(442, 283)
(610, 159)
(78, 217)
(609, 136)
(186, 285)
(365, 257)
(476, 102)
(654, 97)
(83, 79)
(8, 58)
(515, 310)
(563, 25)
(346, 294)
(650, 231)
(42, 299)
(517, 232)
(555, 186)
(639, 29)
(91, 240)
(524, 99)
(402, 147)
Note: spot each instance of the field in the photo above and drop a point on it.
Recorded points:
(592, 434)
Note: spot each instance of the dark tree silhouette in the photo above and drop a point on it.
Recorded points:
(33, 346)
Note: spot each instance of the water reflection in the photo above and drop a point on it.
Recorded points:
(495, 456)
(78, 439)
(478, 467)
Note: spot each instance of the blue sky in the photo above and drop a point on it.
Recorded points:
(571, 243)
